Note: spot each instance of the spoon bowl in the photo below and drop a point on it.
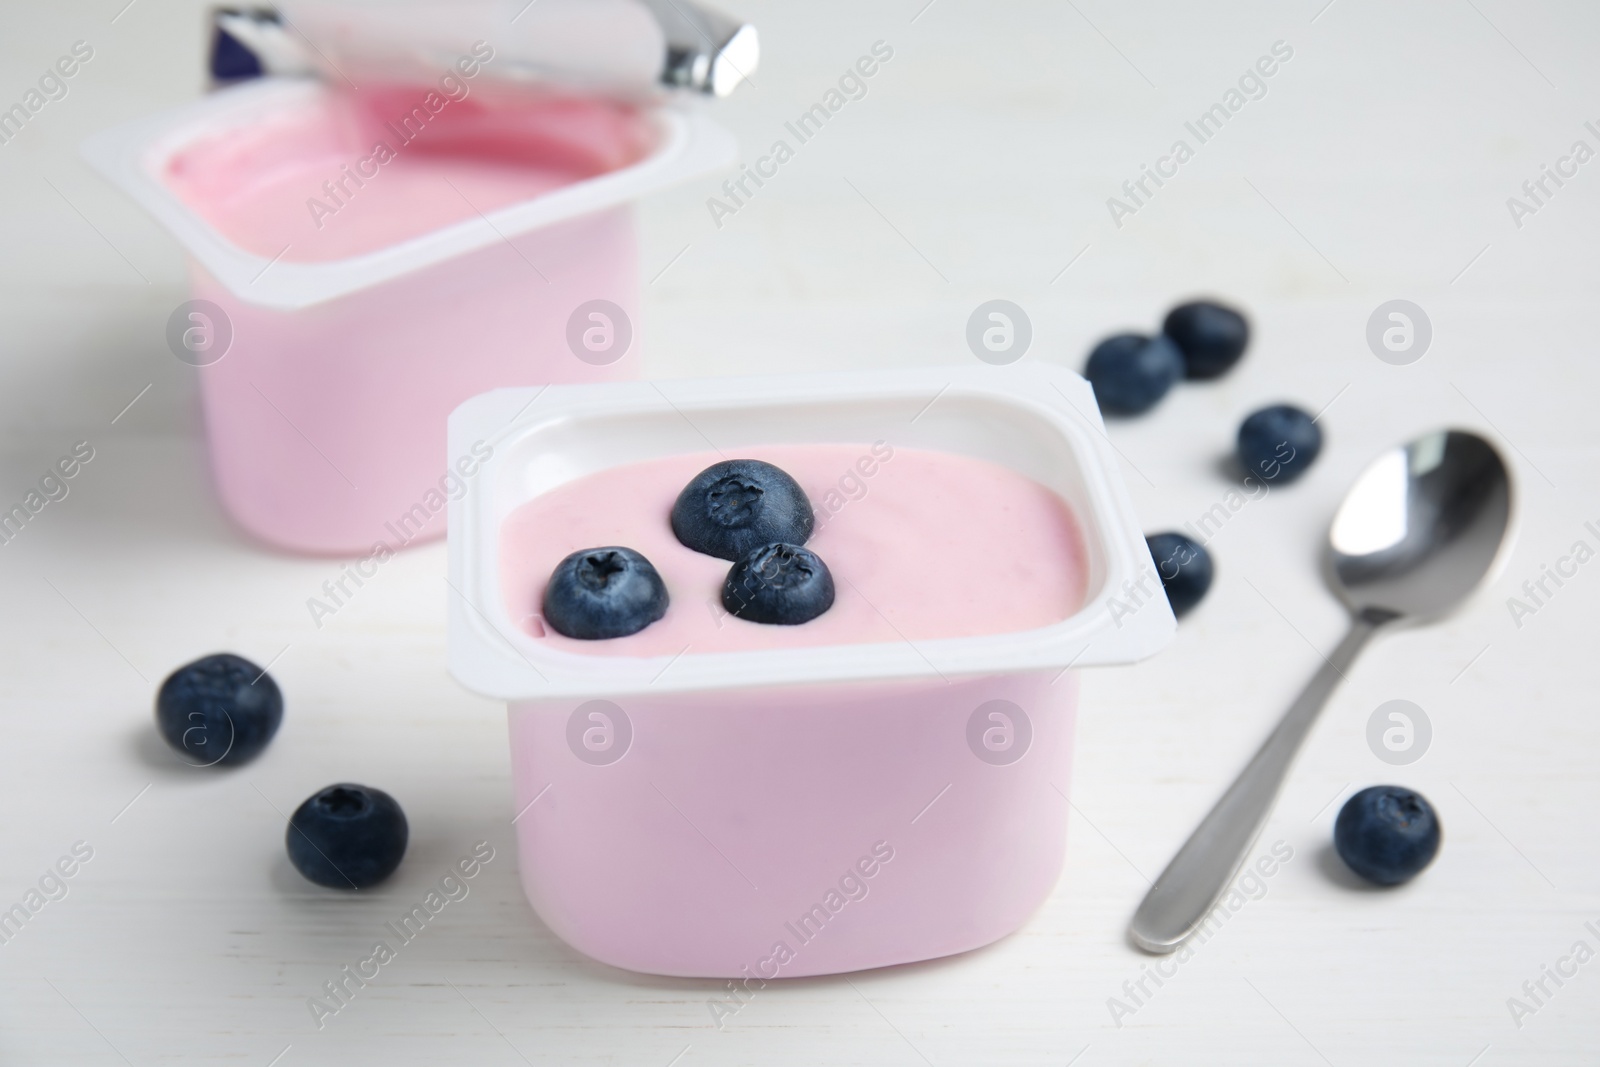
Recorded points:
(1422, 527)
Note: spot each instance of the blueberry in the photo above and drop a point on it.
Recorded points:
(1279, 443)
(1131, 372)
(219, 709)
(1185, 569)
(347, 836)
(1210, 336)
(604, 592)
(781, 584)
(734, 507)
(1387, 834)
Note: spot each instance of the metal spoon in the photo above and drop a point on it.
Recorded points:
(1421, 528)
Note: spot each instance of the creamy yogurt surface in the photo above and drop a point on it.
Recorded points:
(921, 545)
(347, 173)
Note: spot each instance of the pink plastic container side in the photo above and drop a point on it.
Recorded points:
(770, 833)
(327, 424)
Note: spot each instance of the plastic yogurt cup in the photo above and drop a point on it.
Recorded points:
(348, 297)
(788, 808)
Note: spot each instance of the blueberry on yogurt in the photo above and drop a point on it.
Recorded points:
(784, 585)
(1278, 443)
(736, 506)
(347, 836)
(1211, 336)
(1131, 372)
(1387, 834)
(600, 593)
(1184, 567)
(219, 709)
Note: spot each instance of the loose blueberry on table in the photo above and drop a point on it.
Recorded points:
(779, 584)
(601, 593)
(219, 709)
(347, 836)
(1387, 834)
(1130, 372)
(736, 506)
(1184, 567)
(1211, 337)
(1279, 443)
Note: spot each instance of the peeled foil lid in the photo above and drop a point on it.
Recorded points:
(629, 49)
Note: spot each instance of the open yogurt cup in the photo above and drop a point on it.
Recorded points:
(795, 808)
(348, 297)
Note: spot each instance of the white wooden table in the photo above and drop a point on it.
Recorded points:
(1376, 166)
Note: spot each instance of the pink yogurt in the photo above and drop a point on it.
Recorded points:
(698, 812)
(374, 261)
(922, 545)
(353, 173)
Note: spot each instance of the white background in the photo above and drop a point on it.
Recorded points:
(1377, 166)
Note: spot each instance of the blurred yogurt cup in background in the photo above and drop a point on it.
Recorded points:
(368, 259)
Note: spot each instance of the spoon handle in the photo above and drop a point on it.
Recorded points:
(1181, 899)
